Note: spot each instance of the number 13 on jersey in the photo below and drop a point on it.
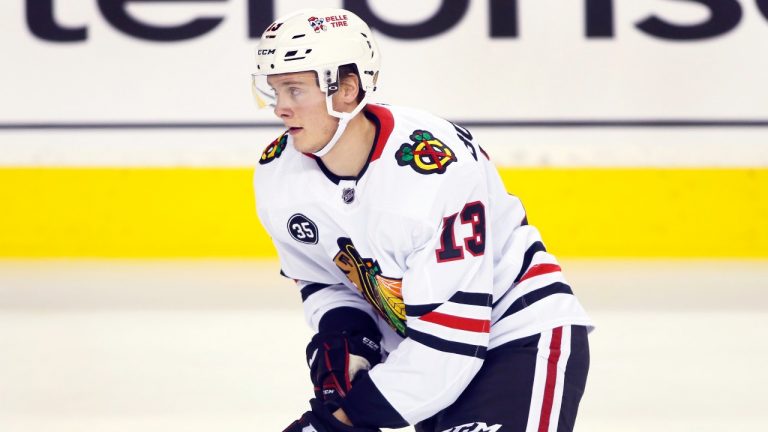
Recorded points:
(473, 214)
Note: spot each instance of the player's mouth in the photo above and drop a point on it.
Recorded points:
(294, 130)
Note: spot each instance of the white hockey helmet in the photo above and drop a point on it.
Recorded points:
(319, 40)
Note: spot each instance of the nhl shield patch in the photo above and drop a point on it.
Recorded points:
(274, 150)
(348, 195)
(426, 154)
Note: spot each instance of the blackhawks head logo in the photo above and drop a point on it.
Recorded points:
(426, 154)
(274, 150)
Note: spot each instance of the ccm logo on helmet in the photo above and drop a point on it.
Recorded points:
(265, 51)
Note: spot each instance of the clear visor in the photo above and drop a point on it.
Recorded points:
(263, 93)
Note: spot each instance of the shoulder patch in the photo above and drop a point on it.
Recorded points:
(426, 154)
(274, 150)
(302, 229)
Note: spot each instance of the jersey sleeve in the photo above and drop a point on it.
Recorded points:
(320, 293)
(447, 290)
(318, 299)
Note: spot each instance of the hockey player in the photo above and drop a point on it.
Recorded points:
(433, 300)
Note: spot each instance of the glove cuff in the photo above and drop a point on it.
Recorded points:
(351, 320)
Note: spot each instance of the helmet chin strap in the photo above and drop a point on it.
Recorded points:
(344, 119)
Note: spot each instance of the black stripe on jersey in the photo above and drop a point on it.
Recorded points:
(419, 310)
(440, 344)
(475, 299)
(460, 297)
(311, 289)
(532, 249)
(534, 296)
(527, 258)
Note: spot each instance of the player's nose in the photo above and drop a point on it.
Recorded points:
(282, 110)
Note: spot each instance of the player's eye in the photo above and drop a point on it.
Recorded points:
(295, 91)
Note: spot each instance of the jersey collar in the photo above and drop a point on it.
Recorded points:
(384, 122)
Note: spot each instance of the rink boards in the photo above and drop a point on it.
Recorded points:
(210, 212)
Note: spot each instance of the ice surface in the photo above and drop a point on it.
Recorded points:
(126, 346)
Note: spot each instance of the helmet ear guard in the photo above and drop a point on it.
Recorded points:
(331, 81)
(323, 41)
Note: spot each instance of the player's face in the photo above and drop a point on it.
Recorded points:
(300, 104)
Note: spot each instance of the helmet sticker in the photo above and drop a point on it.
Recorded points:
(317, 24)
(426, 155)
(269, 33)
(337, 20)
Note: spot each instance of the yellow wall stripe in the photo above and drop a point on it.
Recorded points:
(647, 212)
(126, 212)
(210, 212)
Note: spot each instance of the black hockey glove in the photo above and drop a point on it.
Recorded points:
(348, 342)
(322, 420)
(335, 358)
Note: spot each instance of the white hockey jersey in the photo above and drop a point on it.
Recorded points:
(428, 242)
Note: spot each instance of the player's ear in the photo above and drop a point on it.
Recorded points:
(350, 88)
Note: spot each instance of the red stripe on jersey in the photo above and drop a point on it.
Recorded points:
(459, 323)
(540, 269)
(549, 386)
(387, 125)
